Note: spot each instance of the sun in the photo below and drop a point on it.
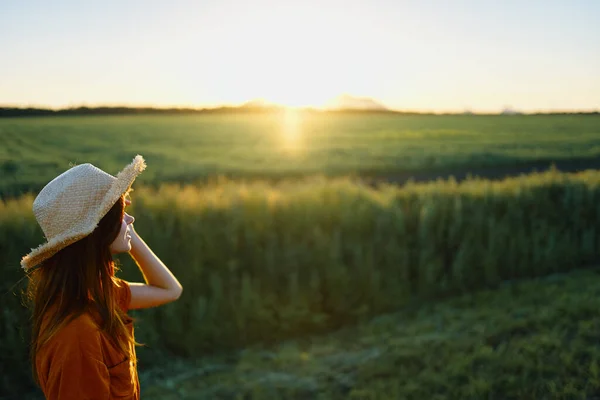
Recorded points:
(291, 85)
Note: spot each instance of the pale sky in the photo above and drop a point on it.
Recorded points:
(446, 55)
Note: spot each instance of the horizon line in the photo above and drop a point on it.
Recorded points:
(270, 106)
(267, 104)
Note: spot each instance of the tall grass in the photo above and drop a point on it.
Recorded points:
(262, 262)
(18, 232)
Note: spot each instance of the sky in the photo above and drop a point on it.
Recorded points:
(420, 55)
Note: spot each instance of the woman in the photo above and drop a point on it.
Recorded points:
(83, 344)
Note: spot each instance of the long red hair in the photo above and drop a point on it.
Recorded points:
(79, 278)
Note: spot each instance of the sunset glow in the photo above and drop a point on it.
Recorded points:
(405, 55)
(292, 130)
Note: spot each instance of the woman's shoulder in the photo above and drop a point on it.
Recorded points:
(122, 293)
(79, 335)
(85, 327)
(81, 328)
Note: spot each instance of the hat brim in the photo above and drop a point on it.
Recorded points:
(121, 185)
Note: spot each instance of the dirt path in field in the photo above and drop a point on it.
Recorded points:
(492, 173)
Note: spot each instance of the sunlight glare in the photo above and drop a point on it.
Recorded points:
(292, 130)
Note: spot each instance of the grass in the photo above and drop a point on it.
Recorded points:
(529, 339)
(532, 339)
(272, 262)
(263, 263)
(190, 148)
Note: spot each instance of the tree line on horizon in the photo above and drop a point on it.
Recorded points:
(38, 112)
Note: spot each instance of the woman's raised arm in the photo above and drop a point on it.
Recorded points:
(161, 286)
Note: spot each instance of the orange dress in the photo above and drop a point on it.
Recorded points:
(79, 362)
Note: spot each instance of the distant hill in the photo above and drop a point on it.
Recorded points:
(260, 104)
(347, 102)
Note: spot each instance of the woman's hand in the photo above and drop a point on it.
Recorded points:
(161, 285)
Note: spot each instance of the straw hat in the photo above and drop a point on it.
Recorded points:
(70, 207)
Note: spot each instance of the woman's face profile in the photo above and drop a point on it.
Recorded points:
(122, 243)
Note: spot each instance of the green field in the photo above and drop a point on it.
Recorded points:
(190, 148)
(263, 263)
(536, 339)
(266, 266)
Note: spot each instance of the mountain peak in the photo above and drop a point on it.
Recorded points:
(259, 103)
(346, 101)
